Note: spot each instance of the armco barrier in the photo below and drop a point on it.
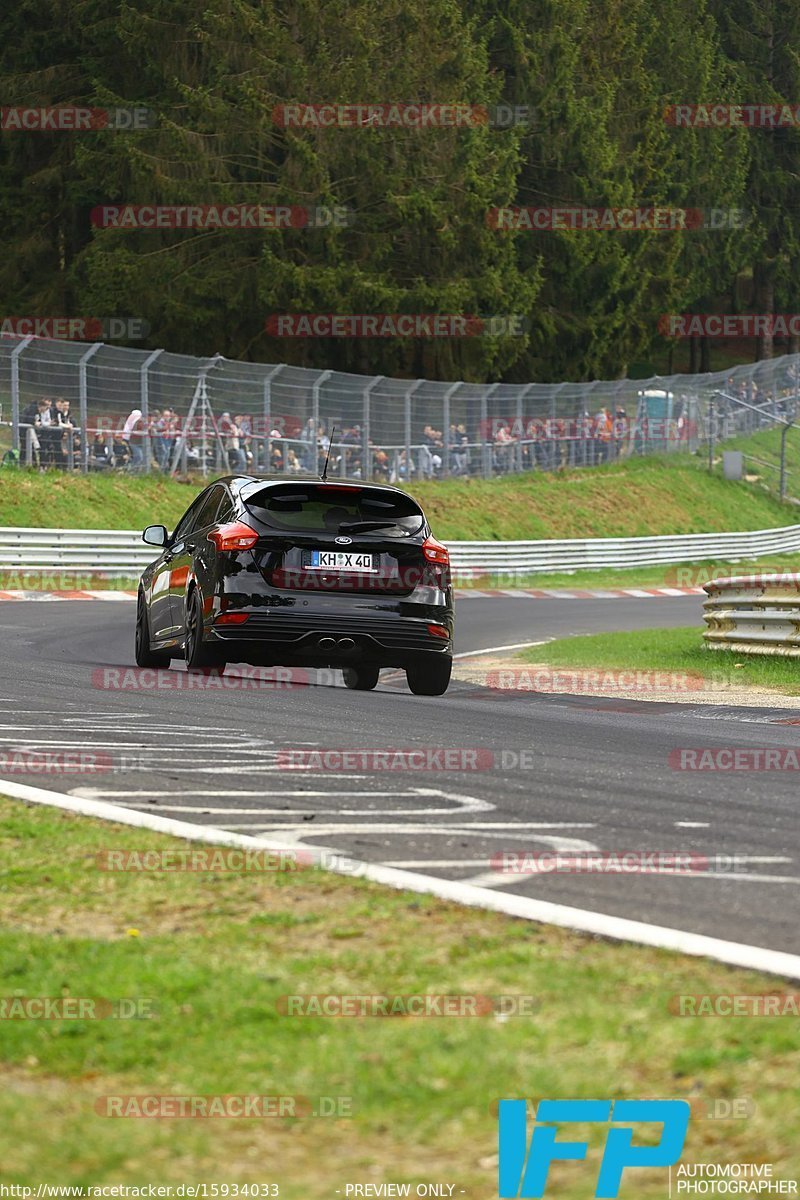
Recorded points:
(122, 552)
(754, 614)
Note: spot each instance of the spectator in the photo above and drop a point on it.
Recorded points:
(68, 440)
(35, 417)
(231, 442)
(404, 468)
(457, 447)
(132, 430)
(99, 454)
(430, 458)
(603, 429)
(503, 448)
(295, 466)
(308, 439)
(245, 425)
(165, 430)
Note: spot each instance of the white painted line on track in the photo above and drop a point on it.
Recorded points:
(498, 649)
(774, 962)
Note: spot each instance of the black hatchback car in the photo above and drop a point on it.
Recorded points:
(302, 572)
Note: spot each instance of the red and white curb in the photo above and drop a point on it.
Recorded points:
(471, 593)
(581, 593)
(42, 596)
(623, 929)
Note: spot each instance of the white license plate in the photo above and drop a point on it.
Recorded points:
(339, 560)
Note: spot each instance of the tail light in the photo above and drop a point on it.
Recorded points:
(435, 552)
(237, 536)
(232, 618)
(439, 631)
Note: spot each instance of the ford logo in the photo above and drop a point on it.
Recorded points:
(343, 541)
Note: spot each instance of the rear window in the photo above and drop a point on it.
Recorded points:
(332, 508)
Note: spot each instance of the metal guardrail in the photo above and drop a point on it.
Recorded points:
(122, 553)
(754, 614)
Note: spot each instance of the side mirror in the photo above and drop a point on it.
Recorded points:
(155, 535)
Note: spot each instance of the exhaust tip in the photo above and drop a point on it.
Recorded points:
(346, 643)
(327, 643)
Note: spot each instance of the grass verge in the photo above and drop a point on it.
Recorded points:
(676, 651)
(215, 952)
(637, 497)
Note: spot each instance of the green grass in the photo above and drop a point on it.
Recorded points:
(668, 650)
(763, 450)
(662, 495)
(214, 953)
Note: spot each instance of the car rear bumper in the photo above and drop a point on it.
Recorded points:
(335, 636)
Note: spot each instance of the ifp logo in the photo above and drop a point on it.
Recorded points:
(523, 1170)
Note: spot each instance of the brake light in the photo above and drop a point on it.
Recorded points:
(341, 487)
(237, 536)
(435, 552)
(232, 618)
(439, 631)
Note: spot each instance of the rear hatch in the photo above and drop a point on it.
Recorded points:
(335, 537)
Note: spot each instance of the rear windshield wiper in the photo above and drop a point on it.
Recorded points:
(363, 526)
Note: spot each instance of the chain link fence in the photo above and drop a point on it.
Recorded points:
(138, 410)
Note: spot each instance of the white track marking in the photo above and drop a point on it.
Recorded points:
(497, 649)
(692, 824)
(775, 962)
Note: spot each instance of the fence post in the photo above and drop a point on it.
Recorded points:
(407, 431)
(83, 397)
(317, 384)
(15, 357)
(366, 453)
(267, 443)
(451, 391)
(144, 402)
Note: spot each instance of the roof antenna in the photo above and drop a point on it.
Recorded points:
(324, 475)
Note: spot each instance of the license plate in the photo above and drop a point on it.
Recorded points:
(338, 560)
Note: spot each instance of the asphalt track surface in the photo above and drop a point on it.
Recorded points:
(598, 774)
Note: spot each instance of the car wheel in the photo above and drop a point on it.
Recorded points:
(198, 656)
(430, 678)
(145, 657)
(360, 679)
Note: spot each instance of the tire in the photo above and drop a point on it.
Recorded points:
(145, 657)
(198, 655)
(430, 678)
(360, 679)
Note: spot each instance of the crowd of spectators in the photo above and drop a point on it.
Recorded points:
(51, 438)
